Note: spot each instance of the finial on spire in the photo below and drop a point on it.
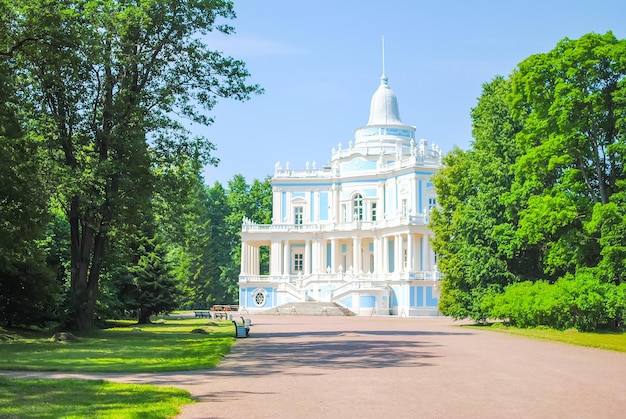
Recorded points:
(383, 78)
(383, 55)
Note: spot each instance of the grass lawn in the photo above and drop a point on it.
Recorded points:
(35, 398)
(167, 345)
(608, 341)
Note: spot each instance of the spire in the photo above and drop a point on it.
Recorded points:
(384, 105)
(384, 76)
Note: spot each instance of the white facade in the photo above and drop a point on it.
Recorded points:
(353, 232)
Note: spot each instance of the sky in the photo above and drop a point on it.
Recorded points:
(320, 62)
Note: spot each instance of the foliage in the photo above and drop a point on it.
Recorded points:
(28, 291)
(103, 86)
(36, 398)
(155, 284)
(255, 203)
(472, 226)
(535, 209)
(581, 302)
(29, 294)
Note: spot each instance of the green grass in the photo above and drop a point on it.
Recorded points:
(165, 346)
(608, 341)
(35, 398)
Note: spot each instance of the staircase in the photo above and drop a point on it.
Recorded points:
(310, 308)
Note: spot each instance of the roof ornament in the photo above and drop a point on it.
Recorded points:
(383, 78)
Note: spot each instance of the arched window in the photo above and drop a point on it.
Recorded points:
(357, 207)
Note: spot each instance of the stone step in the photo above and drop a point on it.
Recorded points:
(310, 308)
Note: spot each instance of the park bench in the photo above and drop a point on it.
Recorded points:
(221, 311)
(242, 330)
(202, 314)
(225, 307)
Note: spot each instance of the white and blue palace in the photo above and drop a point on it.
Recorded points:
(354, 232)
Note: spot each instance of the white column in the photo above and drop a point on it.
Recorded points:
(409, 252)
(355, 255)
(314, 256)
(427, 259)
(317, 206)
(244, 258)
(398, 251)
(378, 255)
(337, 206)
(286, 260)
(307, 257)
(256, 268)
(249, 260)
(275, 252)
(276, 206)
(385, 255)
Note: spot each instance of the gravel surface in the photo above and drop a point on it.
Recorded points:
(380, 367)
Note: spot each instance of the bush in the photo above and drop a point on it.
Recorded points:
(582, 302)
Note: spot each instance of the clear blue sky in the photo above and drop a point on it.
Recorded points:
(320, 62)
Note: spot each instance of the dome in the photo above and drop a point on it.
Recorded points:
(384, 107)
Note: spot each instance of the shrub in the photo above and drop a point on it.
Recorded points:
(582, 302)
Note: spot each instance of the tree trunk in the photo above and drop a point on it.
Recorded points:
(144, 316)
(87, 253)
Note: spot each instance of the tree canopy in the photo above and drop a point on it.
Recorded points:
(103, 87)
(539, 196)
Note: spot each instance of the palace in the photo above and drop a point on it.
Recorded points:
(354, 232)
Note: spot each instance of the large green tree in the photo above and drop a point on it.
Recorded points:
(107, 82)
(473, 226)
(28, 290)
(539, 198)
(252, 201)
(571, 102)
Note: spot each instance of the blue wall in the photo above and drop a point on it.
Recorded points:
(422, 296)
(324, 206)
(367, 301)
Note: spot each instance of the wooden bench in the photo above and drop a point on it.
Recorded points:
(225, 307)
(203, 314)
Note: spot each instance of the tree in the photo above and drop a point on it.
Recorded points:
(156, 289)
(536, 207)
(255, 203)
(184, 217)
(107, 82)
(571, 102)
(28, 290)
(474, 222)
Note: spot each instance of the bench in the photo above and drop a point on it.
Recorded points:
(241, 331)
(225, 307)
(222, 315)
(202, 314)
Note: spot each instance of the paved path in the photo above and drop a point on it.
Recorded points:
(362, 367)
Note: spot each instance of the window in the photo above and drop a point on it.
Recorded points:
(373, 211)
(298, 215)
(405, 207)
(357, 207)
(406, 258)
(259, 297)
(344, 213)
(432, 203)
(298, 259)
